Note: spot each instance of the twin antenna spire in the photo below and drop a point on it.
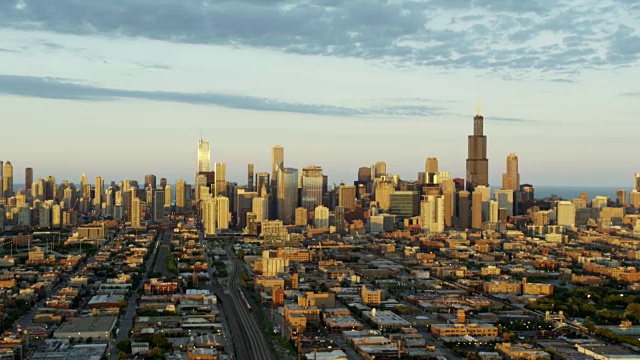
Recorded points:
(478, 107)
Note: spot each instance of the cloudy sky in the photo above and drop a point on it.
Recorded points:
(121, 88)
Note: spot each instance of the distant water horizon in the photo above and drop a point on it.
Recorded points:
(571, 192)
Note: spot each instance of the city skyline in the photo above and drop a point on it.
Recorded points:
(399, 96)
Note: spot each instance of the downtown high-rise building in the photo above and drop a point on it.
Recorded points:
(347, 196)
(321, 217)
(311, 187)
(250, 171)
(431, 171)
(7, 180)
(220, 179)
(28, 178)
(566, 214)
(511, 179)
(167, 196)
(150, 181)
(277, 161)
(380, 169)
(181, 196)
(204, 156)
(260, 208)
(262, 184)
(287, 194)
(477, 162)
(158, 205)
(222, 212)
(136, 212)
(209, 217)
(636, 182)
(98, 183)
(432, 214)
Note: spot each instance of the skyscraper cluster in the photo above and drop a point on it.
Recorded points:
(378, 199)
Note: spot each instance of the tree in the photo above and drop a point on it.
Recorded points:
(124, 346)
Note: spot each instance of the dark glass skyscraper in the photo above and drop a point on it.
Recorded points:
(477, 162)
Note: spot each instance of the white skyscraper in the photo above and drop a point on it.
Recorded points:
(432, 213)
(204, 156)
(259, 206)
(209, 215)
(222, 210)
(321, 217)
(566, 213)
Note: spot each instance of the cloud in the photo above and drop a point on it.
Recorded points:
(482, 34)
(67, 89)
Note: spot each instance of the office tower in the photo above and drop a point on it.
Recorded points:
(431, 170)
(311, 187)
(636, 181)
(158, 205)
(181, 196)
(321, 217)
(449, 204)
(222, 212)
(579, 203)
(150, 181)
(405, 204)
(463, 209)
(83, 180)
(163, 183)
(28, 178)
(250, 178)
(221, 179)
(301, 217)
(432, 214)
(340, 220)
(287, 194)
(599, 202)
(494, 210)
(511, 179)
(476, 208)
(259, 206)
(477, 162)
(167, 195)
(136, 211)
(566, 214)
(21, 199)
(505, 200)
(7, 180)
(99, 189)
(383, 191)
(209, 217)
(50, 192)
(364, 174)
(277, 161)
(634, 199)
(347, 196)
(68, 198)
(621, 198)
(44, 215)
(243, 205)
(262, 184)
(1, 179)
(204, 156)
(201, 186)
(380, 169)
(56, 216)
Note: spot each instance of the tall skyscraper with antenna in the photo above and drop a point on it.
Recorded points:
(204, 156)
(477, 162)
